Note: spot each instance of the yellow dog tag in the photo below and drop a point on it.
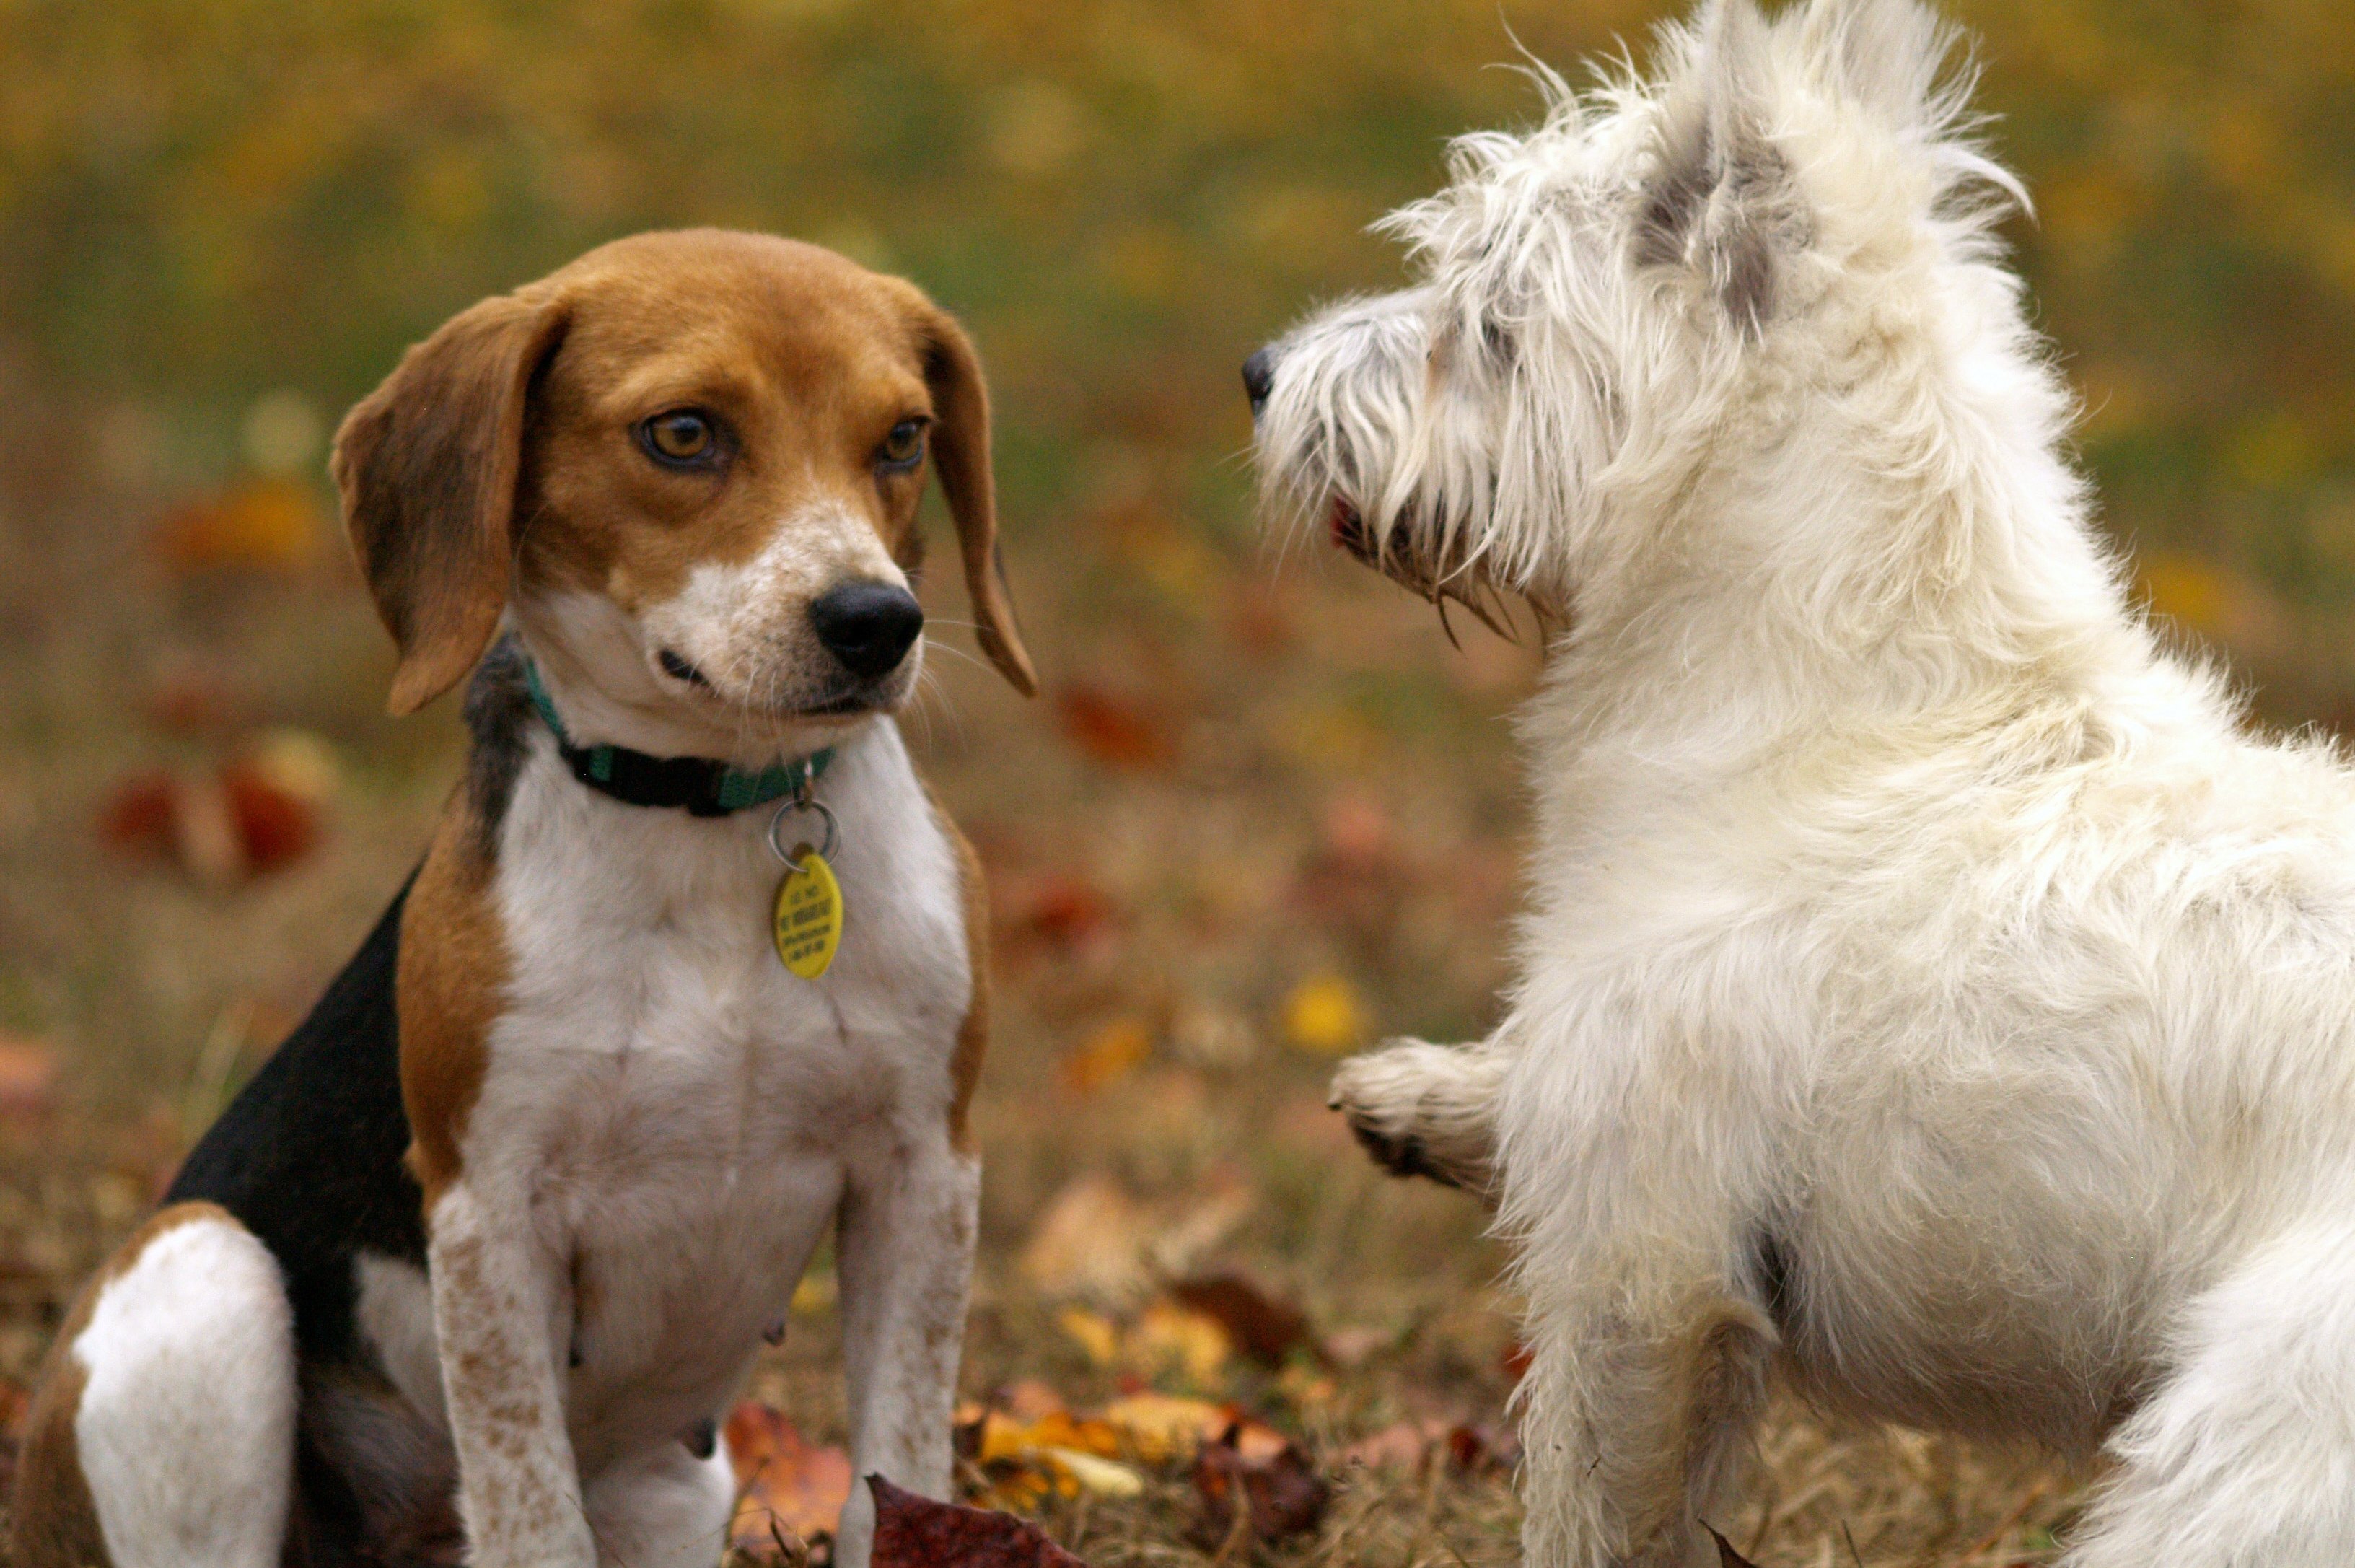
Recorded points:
(808, 917)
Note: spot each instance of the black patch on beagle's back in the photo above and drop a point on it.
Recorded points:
(308, 1156)
(498, 715)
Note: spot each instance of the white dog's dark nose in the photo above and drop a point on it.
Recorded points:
(869, 627)
(1258, 380)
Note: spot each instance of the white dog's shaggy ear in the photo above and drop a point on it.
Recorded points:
(1721, 201)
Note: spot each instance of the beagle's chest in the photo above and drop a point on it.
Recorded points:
(681, 1108)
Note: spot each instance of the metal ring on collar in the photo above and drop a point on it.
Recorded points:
(788, 808)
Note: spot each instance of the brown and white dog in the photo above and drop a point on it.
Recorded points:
(471, 1267)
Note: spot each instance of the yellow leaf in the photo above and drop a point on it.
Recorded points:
(1323, 1015)
(1107, 1056)
(271, 525)
(300, 762)
(1093, 1333)
(1160, 1427)
(1096, 1477)
(1170, 1337)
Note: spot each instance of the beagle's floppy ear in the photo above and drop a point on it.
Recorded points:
(427, 465)
(961, 454)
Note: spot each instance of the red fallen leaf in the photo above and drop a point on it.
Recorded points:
(237, 822)
(917, 1533)
(1262, 1327)
(1280, 1495)
(1473, 1448)
(274, 827)
(1065, 910)
(28, 1080)
(1050, 913)
(781, 1480)
(1514, 1362)
(1113, 731)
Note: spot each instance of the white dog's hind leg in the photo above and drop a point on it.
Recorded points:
(1426, 1110)
(186, 1424)
(1634, 1423)
(2245, 1453)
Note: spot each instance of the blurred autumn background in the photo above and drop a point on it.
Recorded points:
(1263, 812)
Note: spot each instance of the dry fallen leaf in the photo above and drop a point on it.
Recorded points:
(1088, 1241)
(1162, 1427)
(1279, 1495)
(916, 1532)
(1035, 1447)
(1169, 1341)
(782, 1480)
(275, 827)
(1258, 1325)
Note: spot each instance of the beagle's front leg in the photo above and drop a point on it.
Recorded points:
(904, 1251)
(496, 1305)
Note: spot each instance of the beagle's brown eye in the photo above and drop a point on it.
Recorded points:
(681, 438)
(903, 448)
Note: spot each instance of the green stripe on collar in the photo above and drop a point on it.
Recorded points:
(702, 786)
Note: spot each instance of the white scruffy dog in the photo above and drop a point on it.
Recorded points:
(1927, 987)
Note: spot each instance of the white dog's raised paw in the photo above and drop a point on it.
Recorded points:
(1423, 1110)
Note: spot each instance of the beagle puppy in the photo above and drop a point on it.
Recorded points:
(693, 966)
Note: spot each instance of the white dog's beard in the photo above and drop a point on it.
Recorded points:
(1435, 575)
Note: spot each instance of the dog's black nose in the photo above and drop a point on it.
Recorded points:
(1258, 380)
(869, 627)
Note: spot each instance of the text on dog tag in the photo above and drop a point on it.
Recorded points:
(807, 920)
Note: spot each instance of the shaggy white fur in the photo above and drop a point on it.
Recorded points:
(1926, 986)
